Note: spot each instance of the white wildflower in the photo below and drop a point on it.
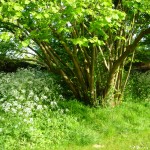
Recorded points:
(27, 111)
(30, 104)
(53, 104)
(39, 107)
(15, 103)
(20, 113)
(13, 110)
(43, 97)
(31, 120)
(17, 97)
(15, 92)
(19, 106)
(36, 98)
(6, 106)
(31, 94)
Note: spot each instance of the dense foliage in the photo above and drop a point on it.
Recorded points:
(34, 115)
(28, 86)
(138, 88)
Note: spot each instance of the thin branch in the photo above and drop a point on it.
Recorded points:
(104, 59)
(130, 49)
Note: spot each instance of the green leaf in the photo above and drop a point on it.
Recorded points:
(38, 16)
(138, 0)
(108, 19)
(27, 2)
(46, 15)
(25, 43)
(93, 40)
(5, 36)
(54, 9)
(96, 41)
(18, 14)
(18, 7)
(100, 43)
(2, 1)
(115, 16)
(60, 30)
(1, 9)
(120, 38)
(80, 41)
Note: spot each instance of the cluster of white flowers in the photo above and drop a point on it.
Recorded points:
(39, 107)
(6, 106)
(53, 104)
(27, 91)
(43, 97)
(25, 109)
(30, 94)
(62, 111)
(36, 98)
(29, 121)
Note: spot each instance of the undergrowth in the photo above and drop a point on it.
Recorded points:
(35, 116)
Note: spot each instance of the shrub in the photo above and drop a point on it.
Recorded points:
(28, 90)
(138, 88)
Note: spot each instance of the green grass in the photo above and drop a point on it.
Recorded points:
(124, 127)
(44, 120)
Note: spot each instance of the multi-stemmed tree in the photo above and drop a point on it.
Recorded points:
(88, 42)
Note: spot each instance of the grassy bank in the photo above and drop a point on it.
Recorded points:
(78, 127)
(35, 116)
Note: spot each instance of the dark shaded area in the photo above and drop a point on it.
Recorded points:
(117, 3)
(139, 66)
(141, 61)
(11, 65)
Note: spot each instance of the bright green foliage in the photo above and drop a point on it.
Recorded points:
(61, 17)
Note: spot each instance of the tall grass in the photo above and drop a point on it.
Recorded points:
(35, 116)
